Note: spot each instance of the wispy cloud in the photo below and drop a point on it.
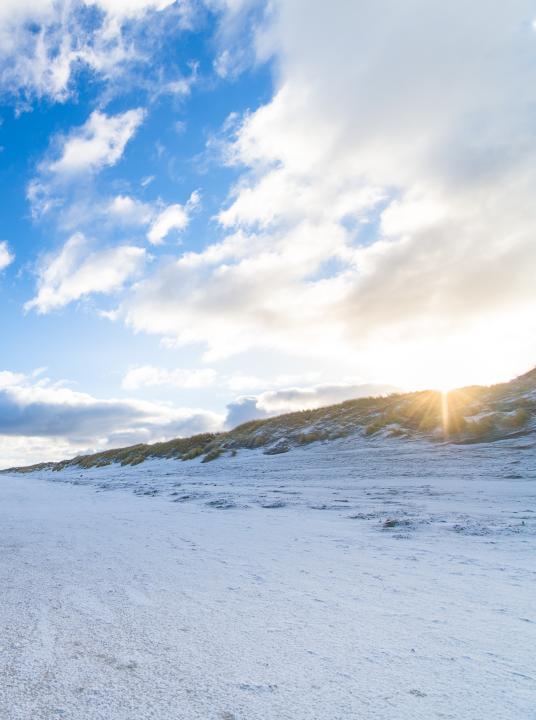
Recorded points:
(78, 156)
(151, 376)
(126, 210)
(77, 271)
(44, 44)
(6, 256)
(173, 217)
(99, 142)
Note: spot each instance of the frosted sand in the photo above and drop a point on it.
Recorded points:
(193, 601)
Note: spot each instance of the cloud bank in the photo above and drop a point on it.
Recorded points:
(39, 419)
(278, 402)
(386, 197)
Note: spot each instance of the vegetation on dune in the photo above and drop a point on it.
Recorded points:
(193, 453)
(184, 448)
(212, 455)
(471, 414)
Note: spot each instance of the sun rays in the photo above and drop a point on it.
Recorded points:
(445, 411)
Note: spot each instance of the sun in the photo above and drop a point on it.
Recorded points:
(446, 385)
(447, 366)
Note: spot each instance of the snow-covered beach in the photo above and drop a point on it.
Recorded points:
(353, 579)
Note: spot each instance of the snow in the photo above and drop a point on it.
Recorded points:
(354, 579)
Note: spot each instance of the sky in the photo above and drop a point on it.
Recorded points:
(216, 210)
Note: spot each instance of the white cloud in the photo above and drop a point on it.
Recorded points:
(44, 42)
(239, 382)
(24, 56)
(99, 142)
(41, 420)
(237, 20)
(76, 158)
(387, 197)
(256, 301)
(8, 378)
(76, 272)
(177, 86)
(127, 210)
(150, 376)
(129, 8)
(173, 217)
(117, 212)
(6, 256)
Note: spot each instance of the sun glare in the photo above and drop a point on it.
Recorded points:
(450, 364)
(446, 385)
(445, 411)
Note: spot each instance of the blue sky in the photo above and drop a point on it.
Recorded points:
(168, 151)
(214, 210)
